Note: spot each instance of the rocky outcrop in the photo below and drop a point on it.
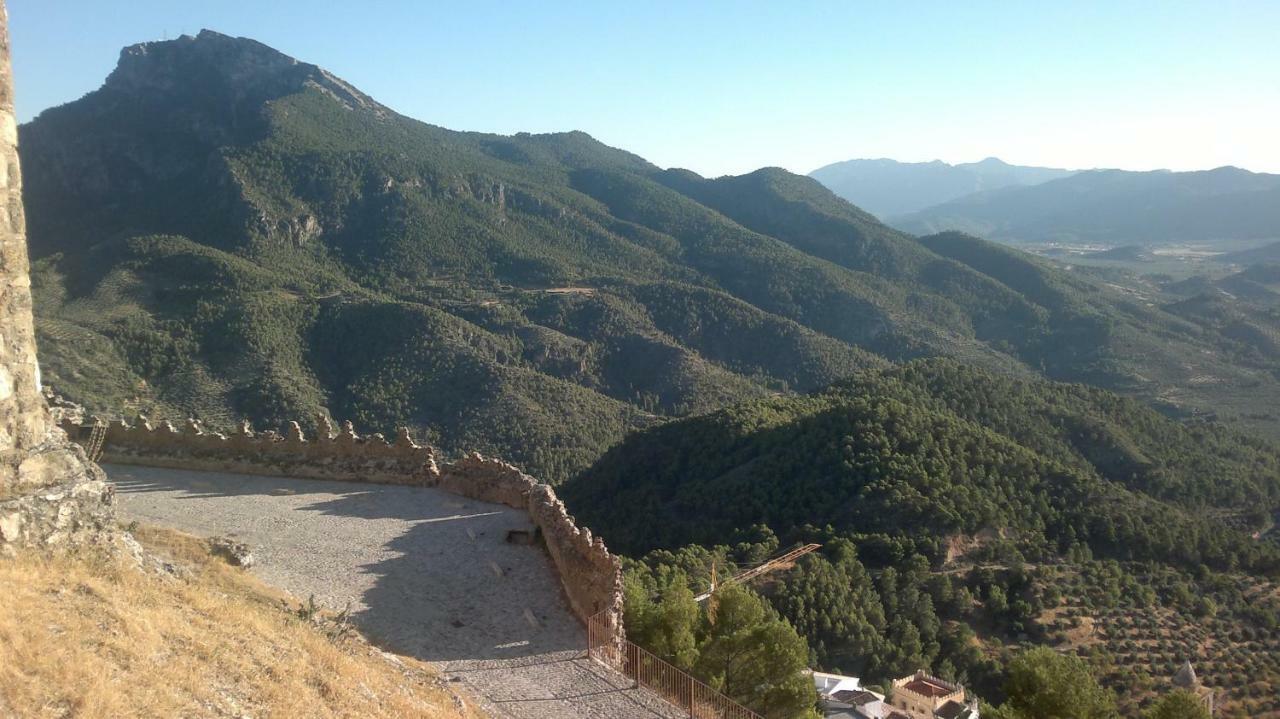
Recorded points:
(71, 505)
(590, 575)
(237, 554)
(63, 410)
(24, 420)
(236, 76)
(50, 494)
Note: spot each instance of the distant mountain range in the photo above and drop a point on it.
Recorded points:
(887, 188)
(1116, 207)
(1016, 204)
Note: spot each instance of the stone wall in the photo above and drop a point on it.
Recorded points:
(50, 494)
(339, 455)
(590, 575)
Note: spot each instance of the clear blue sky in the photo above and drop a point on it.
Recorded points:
(729, 87)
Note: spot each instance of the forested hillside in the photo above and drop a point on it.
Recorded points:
(715, 368)
(965, 514)
(223, 231)
(936, 448)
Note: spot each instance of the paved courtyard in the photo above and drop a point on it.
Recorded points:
(425, 573)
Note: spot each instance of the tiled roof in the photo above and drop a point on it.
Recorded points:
(856, 698)
(926, 688)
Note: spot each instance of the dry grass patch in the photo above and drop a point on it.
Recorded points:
(86, 636)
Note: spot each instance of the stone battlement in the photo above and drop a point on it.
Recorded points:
(342, 455)
(590, 575)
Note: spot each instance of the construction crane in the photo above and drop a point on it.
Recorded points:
(763, 568)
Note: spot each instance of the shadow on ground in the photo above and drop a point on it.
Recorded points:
(425, 573)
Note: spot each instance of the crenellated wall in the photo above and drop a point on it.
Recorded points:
(340, 456)
(590, 575)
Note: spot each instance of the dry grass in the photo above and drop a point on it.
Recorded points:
(85, 636)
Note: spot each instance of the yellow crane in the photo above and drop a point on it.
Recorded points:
(763, 568)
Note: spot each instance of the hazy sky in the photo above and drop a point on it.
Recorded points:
(729, 87)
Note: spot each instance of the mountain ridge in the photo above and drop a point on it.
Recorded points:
(1116, 207)
(888, 188)
(277, 248)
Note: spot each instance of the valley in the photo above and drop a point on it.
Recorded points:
(1059, 462)
(305, 249)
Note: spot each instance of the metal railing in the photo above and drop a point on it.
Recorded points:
(675, 686)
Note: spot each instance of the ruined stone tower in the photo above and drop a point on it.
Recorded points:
(49, 492)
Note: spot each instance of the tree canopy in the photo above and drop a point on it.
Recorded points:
(1179, 704)
(735, 642)
(1043, 684)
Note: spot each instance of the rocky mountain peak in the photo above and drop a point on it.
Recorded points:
(159, 64)
(218, 69)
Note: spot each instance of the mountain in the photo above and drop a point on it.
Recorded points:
(1257, 283)
(962, 514)
(929, 449)
(887, 188)
(223, 231)
(1116, 207)
(1266, 253)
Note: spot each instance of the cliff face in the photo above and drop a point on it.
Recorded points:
(221, 80)
(163, 123)
(50, 493)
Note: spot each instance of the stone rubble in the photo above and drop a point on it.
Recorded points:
(236, 553)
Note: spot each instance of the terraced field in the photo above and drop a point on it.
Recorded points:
(1138, 641)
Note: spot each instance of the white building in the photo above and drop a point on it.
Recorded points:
(843, 697)
(919, 696)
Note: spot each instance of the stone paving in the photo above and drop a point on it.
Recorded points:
(425, 573)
